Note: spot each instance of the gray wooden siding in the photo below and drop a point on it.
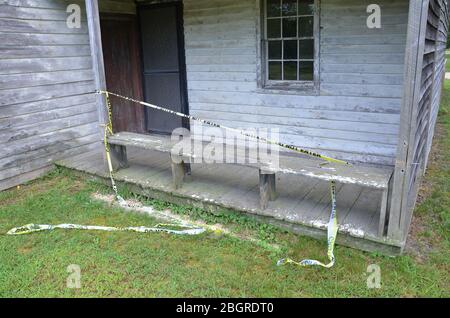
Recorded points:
(426, 111)
(357, 114)
(424, 75)
(47, 109)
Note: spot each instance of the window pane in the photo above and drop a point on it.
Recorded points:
(273, 8)
(290, 71)
(305, 7)
(290, 50)
(289, 27)
(274, 28)
(289, 7)
(274, 50)
(306, 71)
(275, 71)
(306, 48)
(305, 27)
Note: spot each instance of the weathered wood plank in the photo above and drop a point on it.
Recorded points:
(207, 190)
(36, 65)
(47, 109)
(377, 178)
(95, 40)
(413, 62)
(222, 65)
(32, 94)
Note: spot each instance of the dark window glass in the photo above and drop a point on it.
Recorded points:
(273, 8)
(306, 48)
(290, 50)
(290, 40)
(289, 27)
(275, 71)
(290, 71)
(274, 28)
(289, 7)
(274, 50)
(306, 71)
(305, 7)
(305, 27)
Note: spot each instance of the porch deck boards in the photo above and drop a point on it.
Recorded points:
(301, 200)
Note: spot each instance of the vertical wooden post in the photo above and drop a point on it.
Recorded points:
(267, 188)
(95, 40)
(119, 157)
(383, 210)
(179, 170)
(418, 10)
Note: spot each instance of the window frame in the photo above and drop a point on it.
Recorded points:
(291, 85)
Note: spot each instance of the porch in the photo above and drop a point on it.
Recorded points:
(302, 206)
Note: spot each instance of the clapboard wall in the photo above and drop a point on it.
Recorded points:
(426, 110)
(47, 109)
(355, 116)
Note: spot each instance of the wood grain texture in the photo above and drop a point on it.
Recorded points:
(427, 34)
(301, 202)
(356, 114)
(47, 108)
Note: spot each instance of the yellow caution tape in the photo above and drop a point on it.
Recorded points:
(209, 123)
(332, 225)
(160, 228)
(109, 131)
(332, 234)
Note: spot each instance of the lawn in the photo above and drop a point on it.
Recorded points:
(447, 66)
(210, 265)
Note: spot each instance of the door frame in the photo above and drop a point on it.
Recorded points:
(181, 55)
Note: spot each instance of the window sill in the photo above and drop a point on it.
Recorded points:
(289, 89)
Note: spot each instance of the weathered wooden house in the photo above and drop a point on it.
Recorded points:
(314, 69)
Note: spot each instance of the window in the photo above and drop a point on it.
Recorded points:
(289, 43)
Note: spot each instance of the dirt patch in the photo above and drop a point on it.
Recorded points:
(216, 230)
(76, 186)
(26, 249)
(417, 245)
(435, 160)
(21, 192)
(39, 186)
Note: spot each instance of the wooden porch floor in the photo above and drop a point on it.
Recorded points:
(303, 204)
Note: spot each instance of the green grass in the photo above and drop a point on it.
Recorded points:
(160, 265)
(447, 66)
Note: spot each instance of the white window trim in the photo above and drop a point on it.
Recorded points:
(266, 85)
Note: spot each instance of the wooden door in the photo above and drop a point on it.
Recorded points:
(121, 52)
(163, 65)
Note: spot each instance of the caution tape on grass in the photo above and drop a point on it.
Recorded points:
(331, 236)
(160, 228)
(174, 228)
(332, 225)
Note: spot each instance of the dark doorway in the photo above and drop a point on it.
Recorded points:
(121, 53)
(163, 68)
